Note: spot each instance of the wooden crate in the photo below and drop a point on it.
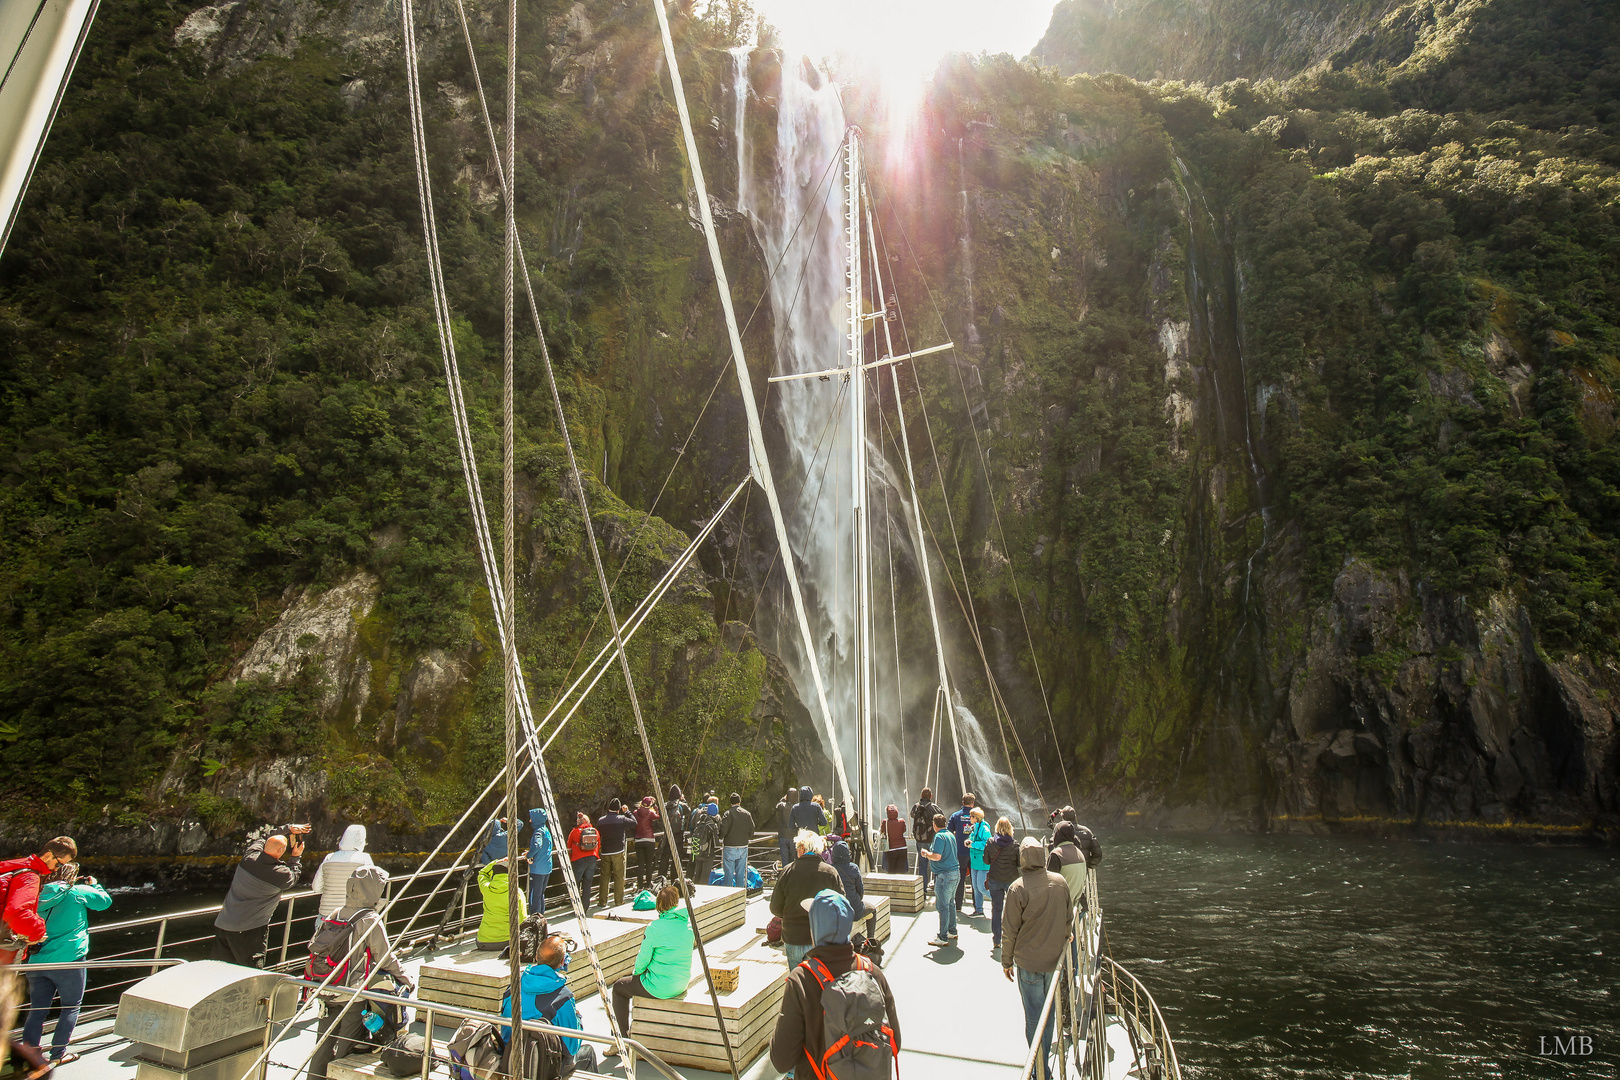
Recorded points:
(682, 1030)
(719, 910)
(880, 905)
(905, 891)
(724, 978)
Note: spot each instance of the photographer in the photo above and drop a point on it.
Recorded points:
(269, 867)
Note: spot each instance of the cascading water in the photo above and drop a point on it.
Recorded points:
(797, 217)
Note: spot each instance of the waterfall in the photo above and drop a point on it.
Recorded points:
(797, 217)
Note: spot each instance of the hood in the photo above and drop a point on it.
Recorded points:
(713, 808)
(537, 817)
(365, 888)
(1031, 854)
(542, 979)
(804, 794)
(674, 792)
(893, 812)
(831, 917)
(676, 912)
(840, 852)
(354, 839)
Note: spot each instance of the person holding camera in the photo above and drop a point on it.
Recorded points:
(65, 901)
(269, 867)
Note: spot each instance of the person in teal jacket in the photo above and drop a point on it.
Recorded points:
(664, 964)
(494, 929)
(65, 902)
(978, 835)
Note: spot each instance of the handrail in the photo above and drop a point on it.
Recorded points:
(167, 961)
(430, 1008)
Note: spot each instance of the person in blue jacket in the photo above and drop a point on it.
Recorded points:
(960, 825)
(540, 860)
(546, 996)
(495, 847)
(65, 903)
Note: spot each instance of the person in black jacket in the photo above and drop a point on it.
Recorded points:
(922, 831)
(268, 868)
(807, 876)
(784, 828)
(806, 814)
(736, 830)
(800, 1027)
(612, 827)
(677, 815)
(1002, 855)
(705, 842)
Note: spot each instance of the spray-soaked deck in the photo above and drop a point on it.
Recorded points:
(959, 1018)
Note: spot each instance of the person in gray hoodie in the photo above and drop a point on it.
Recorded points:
(368, 955)
(1033, 933)
(269, 867)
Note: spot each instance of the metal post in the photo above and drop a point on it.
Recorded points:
(427, 1041)
(286, 931)
(157, 953)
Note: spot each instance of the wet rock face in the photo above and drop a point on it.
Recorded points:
(322, 629)
(1451, 715)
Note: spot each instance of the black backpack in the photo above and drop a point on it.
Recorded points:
(403, 1056)
(922, 822)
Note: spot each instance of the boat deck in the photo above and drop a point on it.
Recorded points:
(959, 1018)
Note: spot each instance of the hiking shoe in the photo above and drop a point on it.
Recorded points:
(939, 943)
(953, 935)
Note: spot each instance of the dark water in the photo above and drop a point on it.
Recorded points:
(1277, 957)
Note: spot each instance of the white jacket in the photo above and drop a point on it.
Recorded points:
(331, 878)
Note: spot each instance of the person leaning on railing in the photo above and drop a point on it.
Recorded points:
(269, 867)
(65, 901)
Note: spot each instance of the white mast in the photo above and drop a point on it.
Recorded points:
(857, 458)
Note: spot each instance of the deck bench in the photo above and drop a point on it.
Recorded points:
(905, 891)
(682, 1030)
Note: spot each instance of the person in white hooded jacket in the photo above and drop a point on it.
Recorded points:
(369, 956)
(331, 878)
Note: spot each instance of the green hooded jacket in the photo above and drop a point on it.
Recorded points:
(665, 960)
(66, 909)
(495, 925)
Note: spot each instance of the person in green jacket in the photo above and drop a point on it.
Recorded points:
(65, 903)
(495, 927)
(664, 964)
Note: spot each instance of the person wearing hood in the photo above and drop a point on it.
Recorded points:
(495, 928)
(807, 815)
(894, 831)
(1001, 854)
(269, 867)
(677, 819)
(647, 816)
(800, 1028)
(1034, 933)
(65, 901)
(843, 862)
(495, 847)
(664, 964)
(584, 851)
(784, 828)
(331, 878)
(612, 827)
(342, 1022)
(544, 989)
(541, 862)
(807, 876)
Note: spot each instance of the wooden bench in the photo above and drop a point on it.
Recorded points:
(682, 1030)
(905, 891)
(369, 1066)
(478, 980)
(880, 905)
(719, 909)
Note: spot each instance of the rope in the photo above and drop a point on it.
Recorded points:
(894, 617)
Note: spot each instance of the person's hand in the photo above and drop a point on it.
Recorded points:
(298, 830)
(1007, 971)
(88, 880)
(297, 847)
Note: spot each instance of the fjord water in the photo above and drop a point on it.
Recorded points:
(1277, 957)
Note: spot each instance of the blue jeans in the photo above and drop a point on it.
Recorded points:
(924, 866)
(998, 900)
(1032, 988)
(734, 861)
(979, 890)
(796, 954)
(785, 848)
(945, 901)
(67, 983)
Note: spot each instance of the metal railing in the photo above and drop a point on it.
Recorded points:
(1086, 985)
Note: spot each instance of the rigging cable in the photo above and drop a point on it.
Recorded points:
(995, 510)
(894, 618)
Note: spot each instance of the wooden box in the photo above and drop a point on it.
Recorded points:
(683, 1031)
(905, 891)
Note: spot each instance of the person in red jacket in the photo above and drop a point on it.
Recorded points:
(19, 885)
(584, 850)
